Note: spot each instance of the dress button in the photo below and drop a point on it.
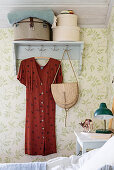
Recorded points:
(43, 137)
(42, 128)
(41, 84)
(41, 67)
(42, 102)
(42, 93)
(42, 111)
(42, 120)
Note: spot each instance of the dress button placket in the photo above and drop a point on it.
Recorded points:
(42, 111)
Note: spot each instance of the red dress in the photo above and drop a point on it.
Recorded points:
(40, 138)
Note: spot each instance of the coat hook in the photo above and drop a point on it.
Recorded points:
(54, 48)
(67, 48)
(42, 48)
(29, 48)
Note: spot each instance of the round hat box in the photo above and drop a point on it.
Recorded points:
(67, 20)
(32, 29)
(66, 33)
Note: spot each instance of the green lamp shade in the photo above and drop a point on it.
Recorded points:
(103, 112)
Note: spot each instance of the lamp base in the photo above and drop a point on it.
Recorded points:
(103, 131)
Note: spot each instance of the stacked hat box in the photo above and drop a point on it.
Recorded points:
(32, 29)
(66, 29)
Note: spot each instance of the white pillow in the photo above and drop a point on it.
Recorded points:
(87, 156)
(78, 161)
(104, 156)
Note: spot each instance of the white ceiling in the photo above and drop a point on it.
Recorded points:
(91, 13)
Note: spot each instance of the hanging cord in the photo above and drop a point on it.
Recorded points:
(58, 67)
(65, 51)
(71, 64)
(66, 110)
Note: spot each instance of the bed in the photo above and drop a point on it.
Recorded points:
(97, 159)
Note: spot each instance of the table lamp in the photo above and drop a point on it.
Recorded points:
(103, 113)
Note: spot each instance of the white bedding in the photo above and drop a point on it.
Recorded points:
(69, 163)
(92, 160)
(62, 163)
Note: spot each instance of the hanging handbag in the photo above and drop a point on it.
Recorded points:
(65, 94)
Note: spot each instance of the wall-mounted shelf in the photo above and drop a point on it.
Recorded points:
(53, 49)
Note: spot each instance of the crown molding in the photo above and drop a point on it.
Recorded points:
(91, 13)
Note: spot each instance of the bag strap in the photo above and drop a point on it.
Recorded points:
(65, 51)
(31, 23)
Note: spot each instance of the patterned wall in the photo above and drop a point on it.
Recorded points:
(110, 53)
(93, 90)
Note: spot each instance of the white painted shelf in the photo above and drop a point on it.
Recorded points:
(53, 49)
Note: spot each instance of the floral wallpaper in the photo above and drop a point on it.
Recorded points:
(93, 85)
(110, 56)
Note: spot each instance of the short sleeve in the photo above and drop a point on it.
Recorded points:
(22, 73)
(59, 78)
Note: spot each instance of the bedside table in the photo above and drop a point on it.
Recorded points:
(89, 141)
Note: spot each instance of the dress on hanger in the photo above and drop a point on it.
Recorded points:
(40, 137)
